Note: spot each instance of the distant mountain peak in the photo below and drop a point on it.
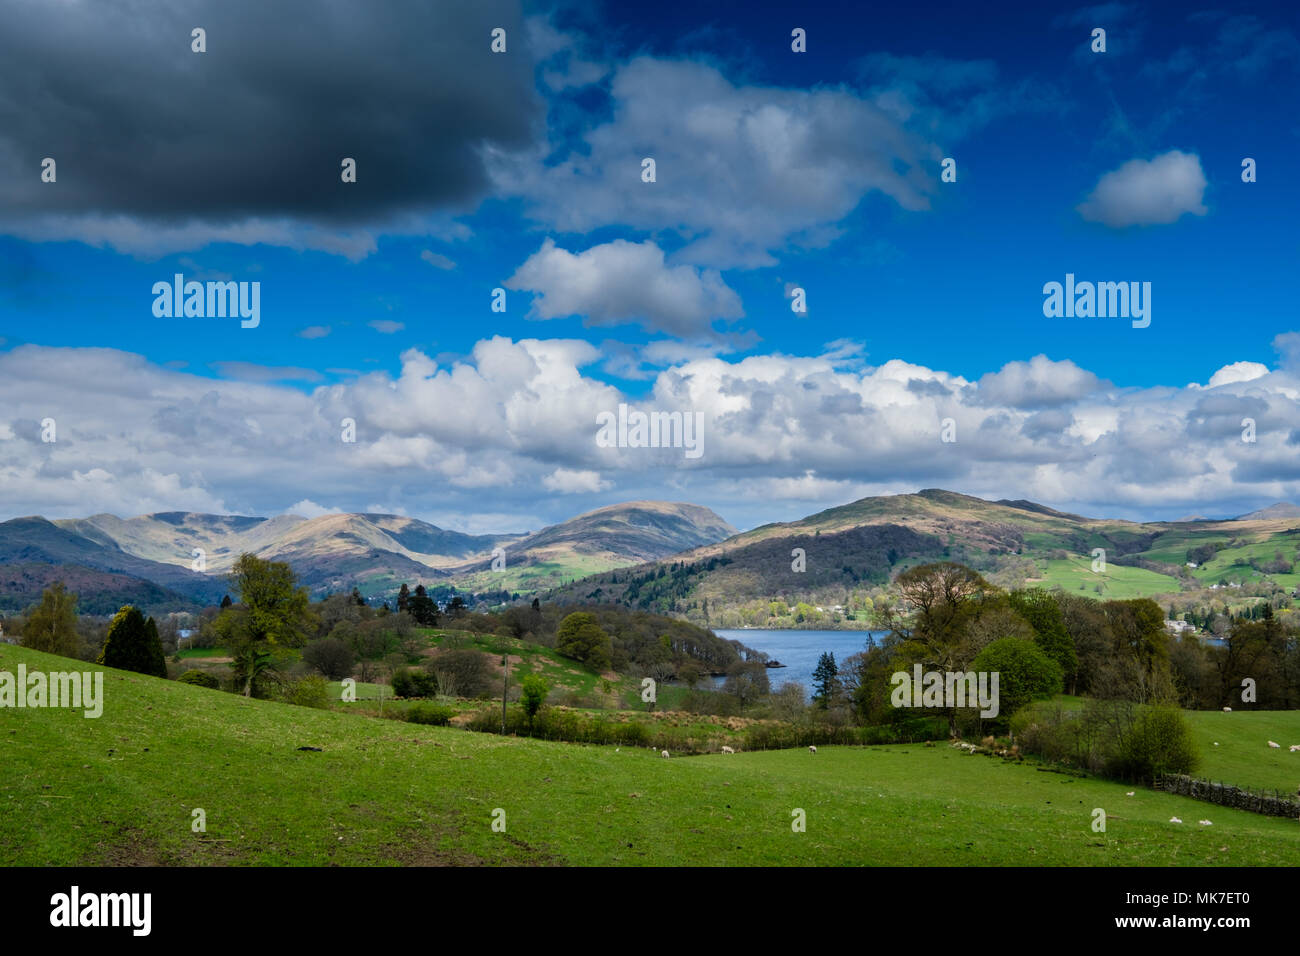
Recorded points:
(1283, 509)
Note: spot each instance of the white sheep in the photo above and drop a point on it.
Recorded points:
(1273, 745)
(727, 750)
(1294, 747)
(1206, 823)
(1227, 710)
(663, 753)
(1129, 794)
(812, 750)
(1175, 820)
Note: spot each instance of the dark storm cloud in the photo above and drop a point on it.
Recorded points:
(258, 125)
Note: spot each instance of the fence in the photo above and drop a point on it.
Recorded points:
(1278, 805)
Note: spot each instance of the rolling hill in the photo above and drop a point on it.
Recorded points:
(850, 548)
(379, 792)
(151, 556)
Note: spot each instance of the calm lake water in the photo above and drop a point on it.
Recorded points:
(799, 650)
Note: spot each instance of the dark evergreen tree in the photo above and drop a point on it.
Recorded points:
(824, 679)
(133, 644)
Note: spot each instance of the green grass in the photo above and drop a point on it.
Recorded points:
(190, 652)
(1243, 756)
(120, 790)
(1118, 582)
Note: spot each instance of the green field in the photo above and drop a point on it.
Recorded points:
(121, 790)
(1118, 582)
(1243, 756)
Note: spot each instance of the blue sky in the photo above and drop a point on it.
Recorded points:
(775, 169)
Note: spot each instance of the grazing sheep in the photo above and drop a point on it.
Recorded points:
(1130, 793)
(1272, 744)
(1227, 710)
(1175, 820)
(812, 750)
(1216, 743)
(1206, 823)
(727, 750)
(663, 753)
(1295, 747)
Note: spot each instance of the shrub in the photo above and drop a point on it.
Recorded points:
(199, 679)
(533, 694)
(433, 714)
(331, 656)
(1159, 741)
(310, 691)
(409, 683)
(462, 673)
(403, 686)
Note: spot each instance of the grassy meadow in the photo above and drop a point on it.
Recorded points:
(121, 790)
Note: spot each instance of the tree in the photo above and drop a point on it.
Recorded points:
(133, 644)
(423, 608)
(226, 602)
(747, 682)
(357, 599)
(279, 611)
(579, 636)
(1024, 670)
(532, 694)
(456, 606)
(273, 613)
(52, 626)
(462, 673)
(824, 679)
(331, 656)
(1043, 613)
(403, 597)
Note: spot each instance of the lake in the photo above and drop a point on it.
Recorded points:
(799, 650)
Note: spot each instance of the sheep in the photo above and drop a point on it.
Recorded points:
(663, 753)
(1175, 820)
(812, 749)
(1227, 710)
(1294, 748)
(1130, 793)
(727, 750)
(1206, 823)
(1273, 745)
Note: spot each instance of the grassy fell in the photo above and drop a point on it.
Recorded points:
(120, 790)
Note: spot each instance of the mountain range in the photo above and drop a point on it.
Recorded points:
(151, 559)
(664, 556)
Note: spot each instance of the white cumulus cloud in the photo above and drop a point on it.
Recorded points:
(1148, 192)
